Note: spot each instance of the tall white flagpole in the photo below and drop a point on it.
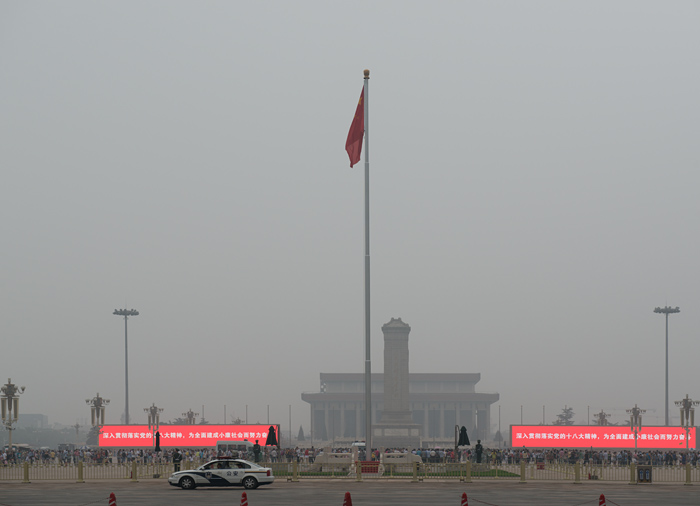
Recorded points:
(368, 361)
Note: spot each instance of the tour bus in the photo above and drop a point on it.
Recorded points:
(241, 449)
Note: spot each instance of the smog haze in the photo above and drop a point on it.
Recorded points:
(533, 181)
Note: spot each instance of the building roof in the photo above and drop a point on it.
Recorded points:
(413, 376)
(413, 397)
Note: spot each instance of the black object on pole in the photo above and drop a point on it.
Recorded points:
(157, 441)
(463, 437)
(271, 437)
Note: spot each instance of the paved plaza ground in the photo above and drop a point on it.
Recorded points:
(331, 493)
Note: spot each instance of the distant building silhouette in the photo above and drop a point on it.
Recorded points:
(403, 403)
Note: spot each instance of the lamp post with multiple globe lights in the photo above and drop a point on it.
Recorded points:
(154, 421)
(601, 418)
(636, 421)
(97, 409)
(687, 415)
(153, 416)
(10, 403)
(190, 417)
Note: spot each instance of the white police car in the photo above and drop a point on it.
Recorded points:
(223, 472)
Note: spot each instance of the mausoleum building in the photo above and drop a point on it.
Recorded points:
(418, 409)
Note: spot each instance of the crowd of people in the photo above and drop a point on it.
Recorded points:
(13, 456)
(103, 456)
(494, 456)
(597, 457)
(503, 456)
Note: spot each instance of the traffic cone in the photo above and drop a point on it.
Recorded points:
(464, 499)
(602, 500)
(112, 499)
(244, 499)
(348, 500)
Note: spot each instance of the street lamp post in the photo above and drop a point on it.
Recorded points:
(126, 313)
(10, 402)
(153, 420)
(601, 418)
(636, 421)
(153, 416)
(687, 415)
(667, 310)
(97, 409)
(190, 417)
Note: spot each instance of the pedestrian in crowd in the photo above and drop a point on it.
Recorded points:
(256, 451)
(177, 458)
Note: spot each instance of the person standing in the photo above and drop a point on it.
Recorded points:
(177, 458)
(256, 451)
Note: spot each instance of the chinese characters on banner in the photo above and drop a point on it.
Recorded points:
(199, 436)
(608, 436)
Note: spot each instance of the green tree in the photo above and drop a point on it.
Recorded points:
(93, 438)
(566, 417)
(498, 437)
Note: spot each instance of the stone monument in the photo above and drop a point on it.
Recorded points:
(396, 428)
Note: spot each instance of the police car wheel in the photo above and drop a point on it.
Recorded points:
(187, 483)
(250, 483)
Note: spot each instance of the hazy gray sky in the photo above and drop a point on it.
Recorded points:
(534, 180)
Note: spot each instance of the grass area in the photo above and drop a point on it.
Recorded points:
(312, 474)
(491, 473)
(324, 474)
(496, 473)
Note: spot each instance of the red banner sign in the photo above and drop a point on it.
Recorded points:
(198, 436)
(596, 436)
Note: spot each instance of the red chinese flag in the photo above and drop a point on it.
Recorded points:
(357, 130)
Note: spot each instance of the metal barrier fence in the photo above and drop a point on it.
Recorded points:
(359, 471)
(83, 471)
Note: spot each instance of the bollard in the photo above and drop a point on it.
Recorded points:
(468, 475)
(577, 473)
(80, 472)
(687, 474)
(522, 471)
(26, 473)
(464, 499)
(347, 500)
(112, 499)
(633, 473)
(601, 501)
(244, 499)
(358, 471)
(295, 471)
(415, 472)
(134, 471)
